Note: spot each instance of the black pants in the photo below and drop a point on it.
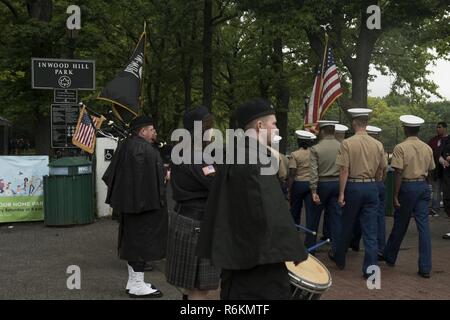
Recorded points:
(138, 266)
(446, 192)
(263, 282)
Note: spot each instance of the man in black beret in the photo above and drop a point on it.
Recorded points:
(200, 113)
(190, 184)
(247, 229)
(136, 190)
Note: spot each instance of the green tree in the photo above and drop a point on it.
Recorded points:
(408, 30)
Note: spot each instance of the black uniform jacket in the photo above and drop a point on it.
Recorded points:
(247, 220)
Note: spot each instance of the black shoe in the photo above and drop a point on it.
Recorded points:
(424, 274)
(433, 213)
(380, 257)
(355, 248)
(390, 264)
(151, 286)
(446, 236)
(332, 258)
(156, 294)
(366, 275)
(148, 267)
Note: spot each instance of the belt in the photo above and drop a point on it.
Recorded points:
(411, 180)
(325, 179)
(190, 212)
(363, 180)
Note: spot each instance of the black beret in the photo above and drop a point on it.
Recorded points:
(141, 121)
(252, 110)
(197, 114)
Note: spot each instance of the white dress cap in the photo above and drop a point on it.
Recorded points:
(306, 135)
(373, 130)
(277, 138)
(340, 128)
(409, 120)
(359, 112)
(324, 123)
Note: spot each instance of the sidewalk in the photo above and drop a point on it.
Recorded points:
(34, 260)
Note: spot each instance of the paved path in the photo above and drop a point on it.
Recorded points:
(34, 260)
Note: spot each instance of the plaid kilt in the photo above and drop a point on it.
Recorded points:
(183, 268)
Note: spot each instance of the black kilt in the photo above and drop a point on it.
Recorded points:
(263, 282)
(143, 236)
(183, 268)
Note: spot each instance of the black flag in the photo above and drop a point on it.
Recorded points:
(125, 89)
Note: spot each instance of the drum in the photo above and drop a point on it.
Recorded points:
(309, 279)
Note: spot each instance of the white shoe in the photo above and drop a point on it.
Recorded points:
(137, 288)
(132, 277)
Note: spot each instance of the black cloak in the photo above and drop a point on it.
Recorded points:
(135, 177)
(136, 191)
(247, 221)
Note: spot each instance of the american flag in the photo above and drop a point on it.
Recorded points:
(326, 89)
(84, 136)
(208, 170)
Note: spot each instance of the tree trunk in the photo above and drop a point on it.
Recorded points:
(207, 54)
(187, 67)
(186, 74)
(187, 92)
(156, 90)
(231, 96)
(282, 92)
(264, 83)
(359, 66)
(43, 134)
(42, 11)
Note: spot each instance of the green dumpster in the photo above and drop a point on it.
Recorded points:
(68, 192)
(389, 189)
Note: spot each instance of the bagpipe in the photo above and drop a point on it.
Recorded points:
(116, 128)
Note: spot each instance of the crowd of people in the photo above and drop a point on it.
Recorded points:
(19, 146)
(235, 227)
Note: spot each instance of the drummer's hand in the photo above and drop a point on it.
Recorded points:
(167, 177)
(396, 203)
(341, 200)
(316, 198)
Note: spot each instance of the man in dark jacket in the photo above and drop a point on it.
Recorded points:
(247, 229)
(136, 190)
(437, 144)
(191, 183)
(444, 166)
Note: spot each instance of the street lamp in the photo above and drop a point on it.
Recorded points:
(306, 100)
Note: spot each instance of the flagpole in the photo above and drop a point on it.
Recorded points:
(324, 53)
(143, 72)
(321, 74)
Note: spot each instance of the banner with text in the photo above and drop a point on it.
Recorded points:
(22, 188)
